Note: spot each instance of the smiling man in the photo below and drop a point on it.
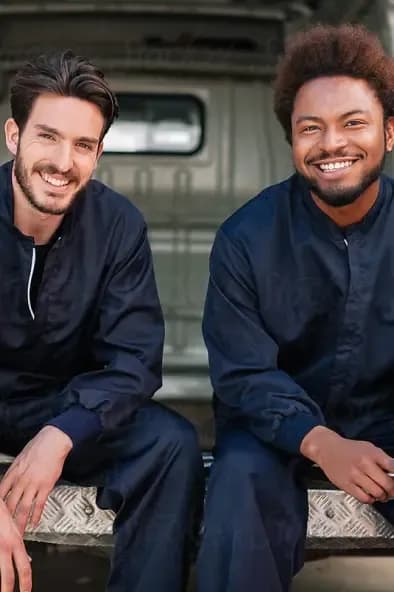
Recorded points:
(81, 339)
(299, 318)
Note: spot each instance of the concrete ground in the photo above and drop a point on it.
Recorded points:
(74, 570)
(347, 574)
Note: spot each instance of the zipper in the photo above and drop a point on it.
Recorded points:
(346, 242)
(33, 263)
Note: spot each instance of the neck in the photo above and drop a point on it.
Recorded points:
(354, 212)
(29, 220)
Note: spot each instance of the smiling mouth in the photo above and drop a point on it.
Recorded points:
(334, 166)
(54, 182)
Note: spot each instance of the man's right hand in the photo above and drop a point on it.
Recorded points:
(13, 555)
(357, 467)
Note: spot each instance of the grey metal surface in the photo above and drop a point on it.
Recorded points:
(336, 520)
(72, 517)
(127, 36)
(262, 9)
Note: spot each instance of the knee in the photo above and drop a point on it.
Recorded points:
(178, 439)
(252, 491)
(244, 463)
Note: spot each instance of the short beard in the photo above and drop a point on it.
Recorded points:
(22, 178)
(339, 196)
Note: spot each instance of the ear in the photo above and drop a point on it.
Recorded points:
(389, 133)
(11, 131)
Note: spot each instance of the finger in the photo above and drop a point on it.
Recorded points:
(14, 497)
(379, 476)
(360, 494)
(371, 488)
(6, 484)
(24, 509)
(385, 461)
(39, 505)
(7, 574)
(23, 568)
(391, 491)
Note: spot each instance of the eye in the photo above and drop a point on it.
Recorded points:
(84, 146)
(46, 136)
(308, 129)
(354, 123)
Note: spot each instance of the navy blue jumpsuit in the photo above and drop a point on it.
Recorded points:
(81, 343)
(299, 326)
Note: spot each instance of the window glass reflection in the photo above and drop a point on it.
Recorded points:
(156, 124)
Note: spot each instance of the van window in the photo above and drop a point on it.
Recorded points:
(156, 124)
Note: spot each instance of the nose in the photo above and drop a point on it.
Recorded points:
(332, 140)
(63, 157)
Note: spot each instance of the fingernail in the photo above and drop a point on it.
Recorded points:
(30, 559)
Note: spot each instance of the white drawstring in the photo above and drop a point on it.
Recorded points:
(33, 263)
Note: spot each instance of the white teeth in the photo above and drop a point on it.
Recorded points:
(336, 165)
(53, 181)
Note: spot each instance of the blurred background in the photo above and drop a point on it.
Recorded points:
(195, 139)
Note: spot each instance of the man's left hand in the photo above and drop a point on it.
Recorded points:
(28, 482)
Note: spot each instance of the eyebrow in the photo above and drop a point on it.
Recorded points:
(52, 130)
(343, 116)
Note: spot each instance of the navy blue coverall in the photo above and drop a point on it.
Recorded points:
(81, 348)
(299, 326)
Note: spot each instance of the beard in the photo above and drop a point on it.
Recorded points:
(338, 195)
(22, 177)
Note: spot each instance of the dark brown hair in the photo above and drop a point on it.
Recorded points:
(345, 50)
(63, 74)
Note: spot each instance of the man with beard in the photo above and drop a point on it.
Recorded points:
(299, 318)
(81, 339)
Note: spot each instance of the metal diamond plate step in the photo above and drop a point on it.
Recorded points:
(336, 520)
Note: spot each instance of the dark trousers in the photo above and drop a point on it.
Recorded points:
(255, 519)
(256, 514)
(149, 472)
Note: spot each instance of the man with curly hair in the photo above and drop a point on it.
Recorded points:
(299, 318)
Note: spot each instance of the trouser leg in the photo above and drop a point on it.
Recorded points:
(156, 494)
(255, 519)
(154, 485)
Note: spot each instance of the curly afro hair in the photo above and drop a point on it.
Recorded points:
(345, 50)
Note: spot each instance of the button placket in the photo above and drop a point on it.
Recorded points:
(350, 332)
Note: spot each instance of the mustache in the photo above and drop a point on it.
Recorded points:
(325, 155)
(51, 169)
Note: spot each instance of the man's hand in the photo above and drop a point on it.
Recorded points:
(33, 474)
(355, 466)
(13, 556)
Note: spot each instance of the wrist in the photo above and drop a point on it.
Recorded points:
(59, 440)
(316, 442)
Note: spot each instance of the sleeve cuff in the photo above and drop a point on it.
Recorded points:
(293, 429)
(78, 423)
